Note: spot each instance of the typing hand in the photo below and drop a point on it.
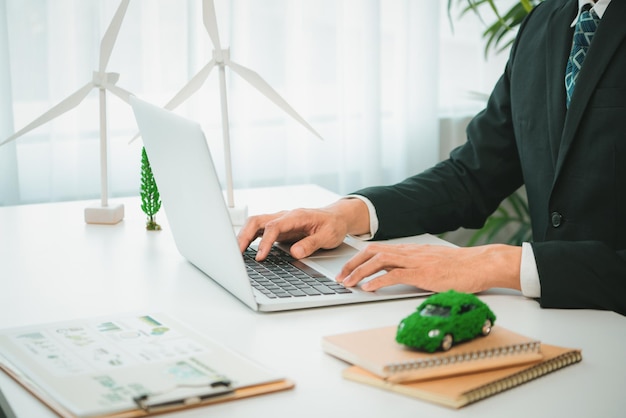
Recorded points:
(308, 229)
(436, 268)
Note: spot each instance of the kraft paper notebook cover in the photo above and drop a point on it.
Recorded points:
(377, 351)
(128, 366)
(458, 391)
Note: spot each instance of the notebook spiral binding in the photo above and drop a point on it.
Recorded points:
(455, 358)
(524, 376)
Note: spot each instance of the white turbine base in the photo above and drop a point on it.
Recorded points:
(238, 215)
(108, 215)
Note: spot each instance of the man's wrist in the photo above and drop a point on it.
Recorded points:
(354, 213)
(505, 260)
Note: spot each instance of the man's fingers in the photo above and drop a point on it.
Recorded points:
(248, 233)
(310, 230)
(268, 238)
(387, 279)
(306, 246)
(254, 228)
(362, 265)
(287, 227)
(372, 259)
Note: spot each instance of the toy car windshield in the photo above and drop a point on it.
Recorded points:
(435, 310)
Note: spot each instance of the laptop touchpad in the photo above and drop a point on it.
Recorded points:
(330, 262)
(344, 251)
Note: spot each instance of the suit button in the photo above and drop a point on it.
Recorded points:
(557, 219)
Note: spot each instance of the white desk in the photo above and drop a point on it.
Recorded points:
(54, 267)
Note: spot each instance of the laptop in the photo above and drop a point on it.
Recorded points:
(200, 223)
(5, 408)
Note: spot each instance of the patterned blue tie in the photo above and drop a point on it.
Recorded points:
(583, 34)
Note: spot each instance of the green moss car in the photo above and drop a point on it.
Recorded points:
(445, 319)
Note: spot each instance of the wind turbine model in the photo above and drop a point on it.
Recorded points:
(221, 59)
(103, 81)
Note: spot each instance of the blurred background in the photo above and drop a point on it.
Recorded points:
(390, 85)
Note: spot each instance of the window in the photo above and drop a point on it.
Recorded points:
(467, 307)
(358, 71)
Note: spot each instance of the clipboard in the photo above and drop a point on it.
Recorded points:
(185, 370)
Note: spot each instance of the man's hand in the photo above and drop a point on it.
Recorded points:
(436, 268)
(308, 229)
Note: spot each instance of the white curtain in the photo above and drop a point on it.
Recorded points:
(9, 190)
(366, 74)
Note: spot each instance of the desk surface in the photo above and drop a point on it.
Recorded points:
(55, 267)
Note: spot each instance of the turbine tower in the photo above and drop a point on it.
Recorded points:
(221, 59)
(103, 81)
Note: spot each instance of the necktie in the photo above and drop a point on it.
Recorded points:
(583, 34)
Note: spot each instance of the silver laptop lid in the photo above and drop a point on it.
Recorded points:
(184, 171)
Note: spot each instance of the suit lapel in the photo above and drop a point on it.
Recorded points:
(558, 45)
(609, 35)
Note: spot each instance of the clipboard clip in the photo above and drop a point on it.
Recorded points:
(164, 399)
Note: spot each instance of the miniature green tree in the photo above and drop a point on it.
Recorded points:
(150, 198)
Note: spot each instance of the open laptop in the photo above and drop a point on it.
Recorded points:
(200, 223)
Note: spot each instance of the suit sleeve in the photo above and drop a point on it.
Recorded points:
(581, 274)
(461, 191)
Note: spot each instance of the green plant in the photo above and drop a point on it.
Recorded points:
(512, 217)
(150, 197)
(496, 32)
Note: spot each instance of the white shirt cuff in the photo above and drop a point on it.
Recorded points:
(529, 276)
(373, 218)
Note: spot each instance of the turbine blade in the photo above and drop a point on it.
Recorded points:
(65, 105)
(119, 92)
(191, 87)
(108, 40)
(137, 135)
(210, 23)
(261, 85)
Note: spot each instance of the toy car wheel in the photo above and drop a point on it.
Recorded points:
(447, 341)
(486, 327)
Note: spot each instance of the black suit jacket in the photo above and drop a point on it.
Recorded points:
(572, 162)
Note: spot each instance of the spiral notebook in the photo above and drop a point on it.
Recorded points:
(377, 351)
(458, 391)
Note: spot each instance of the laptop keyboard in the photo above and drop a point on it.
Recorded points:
(282, 276)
